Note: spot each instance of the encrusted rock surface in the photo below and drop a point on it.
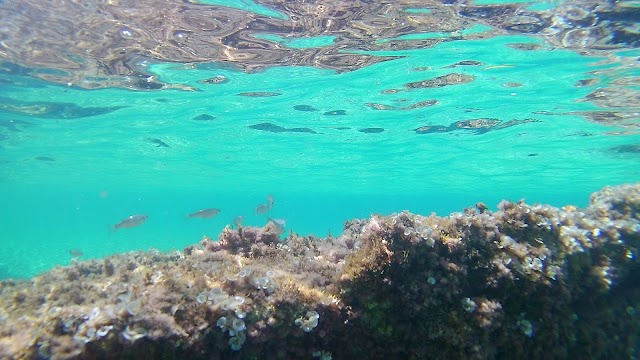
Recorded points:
(526, 281)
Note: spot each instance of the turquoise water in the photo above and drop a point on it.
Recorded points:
(66, 177)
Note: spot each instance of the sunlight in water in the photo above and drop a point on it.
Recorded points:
(262, 165)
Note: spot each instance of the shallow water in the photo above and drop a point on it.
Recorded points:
(129, 127)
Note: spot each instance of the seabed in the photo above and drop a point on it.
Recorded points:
(526, 281)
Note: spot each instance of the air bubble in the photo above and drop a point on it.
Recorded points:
(126, 33)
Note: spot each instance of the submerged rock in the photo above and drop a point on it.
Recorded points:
(525, 281)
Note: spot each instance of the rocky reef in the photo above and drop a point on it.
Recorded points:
(525, 281)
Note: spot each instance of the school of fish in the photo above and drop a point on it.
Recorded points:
(139, 219)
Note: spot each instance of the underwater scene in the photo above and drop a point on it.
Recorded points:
(319, 179)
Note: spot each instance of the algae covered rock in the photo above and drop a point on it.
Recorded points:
(528, 281)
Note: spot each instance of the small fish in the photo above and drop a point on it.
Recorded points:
(204, 214)
(76, 253)
(238, 220)
(268, 127)
(302, 130)
(262, 208)
(335, 113)
(512, 84)
(280, 224)
(131, 221)
(464, 63)
(45, 158)
(158, 142)
(219, 79)
(270, 200)
(203, 117)
(371, 130)
(304, 108)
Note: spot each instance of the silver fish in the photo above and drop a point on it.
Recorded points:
(76, 253)
(204, 214)
(238, 220)
(280, 224)
(262, 208)
(131, 221)
(270, 200)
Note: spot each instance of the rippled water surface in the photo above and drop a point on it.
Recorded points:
(338, 109)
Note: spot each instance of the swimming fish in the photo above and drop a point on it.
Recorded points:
(131, 221)
(158, 142)
(304, 108)
(219, 79)
(204, 214)
(280, 224)
(238, 220)
(76, 253)
(262, 208)
(45, 158)
(203, 117)
(336, 112)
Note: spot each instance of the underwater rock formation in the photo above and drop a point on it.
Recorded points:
(525, 281)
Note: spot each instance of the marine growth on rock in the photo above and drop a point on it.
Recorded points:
(525, 281)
